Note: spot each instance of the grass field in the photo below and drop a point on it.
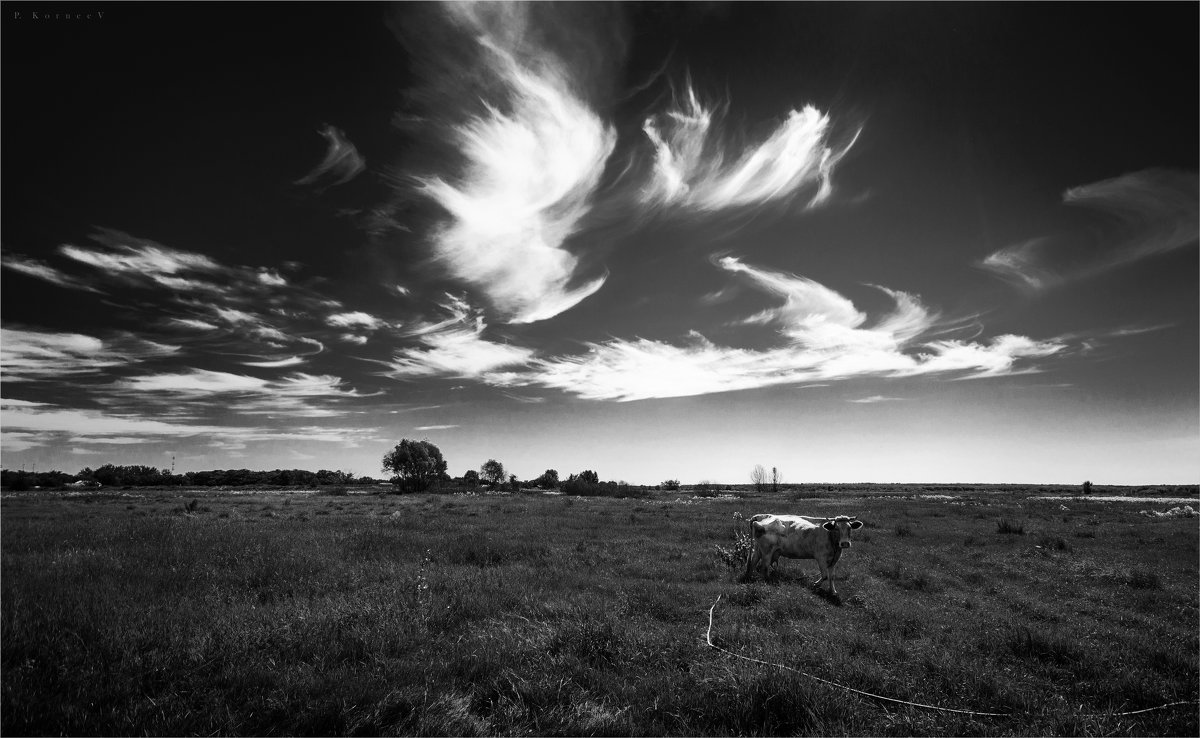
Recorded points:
(277, 613)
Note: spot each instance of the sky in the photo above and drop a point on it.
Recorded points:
(855, 242)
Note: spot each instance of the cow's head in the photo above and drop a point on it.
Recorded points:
(839, 529)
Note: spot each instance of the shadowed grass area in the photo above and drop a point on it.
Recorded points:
(269, 614)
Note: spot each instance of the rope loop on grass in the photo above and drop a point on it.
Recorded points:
(872, 695)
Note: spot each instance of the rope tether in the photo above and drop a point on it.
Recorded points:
(708, 638)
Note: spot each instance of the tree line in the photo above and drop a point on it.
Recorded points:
(412, 466)
(136, 475)
(417, 466)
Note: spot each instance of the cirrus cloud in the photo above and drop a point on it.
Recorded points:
(1136, 215)
(533, 163)
(821, 336)
(693, 169)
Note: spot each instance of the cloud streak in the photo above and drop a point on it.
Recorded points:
(29, 355)
(298, 394)
(456, 348)
(821, 336)
(341, 162)
(1135, 216)
(694, 169)
(533, 162)
(30, 425)
(41, 270)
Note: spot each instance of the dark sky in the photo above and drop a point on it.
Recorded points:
(604, 236)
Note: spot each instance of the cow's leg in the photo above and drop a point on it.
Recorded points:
(829, 576)
(825, 574)
(750, 560)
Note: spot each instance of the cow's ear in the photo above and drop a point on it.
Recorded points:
(829, 525)
(855, 524)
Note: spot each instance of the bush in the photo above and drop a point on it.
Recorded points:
(735, 554)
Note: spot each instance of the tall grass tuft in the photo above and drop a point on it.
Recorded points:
(1144, 579)
(1004, 525)
(1053, 543)
(1049, 646)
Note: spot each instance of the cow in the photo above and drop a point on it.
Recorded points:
(799, 537)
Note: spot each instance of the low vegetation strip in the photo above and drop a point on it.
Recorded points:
(276, 614)
(709, 639)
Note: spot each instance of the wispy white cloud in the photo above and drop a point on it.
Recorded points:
(276, 364)
(533, 163)
(456, 348)
(457, 352)
(139, 260)
(1137, 330)
(341, 162)
(355, 319)
(195, 382)
(876, 398)
(42, 270)
(271, 278)
(296, 394)
(1136, 216)
(816, 317)
(995, 358)
(824, 338)
(27, 355)
(693, 168)
(30, 425)
(193, 323)
(118, 440)
(255, 305)
(434, 427)
(14, 441)
(254, 325)
(83, 423)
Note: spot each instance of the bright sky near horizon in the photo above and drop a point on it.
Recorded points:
(857, 242)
